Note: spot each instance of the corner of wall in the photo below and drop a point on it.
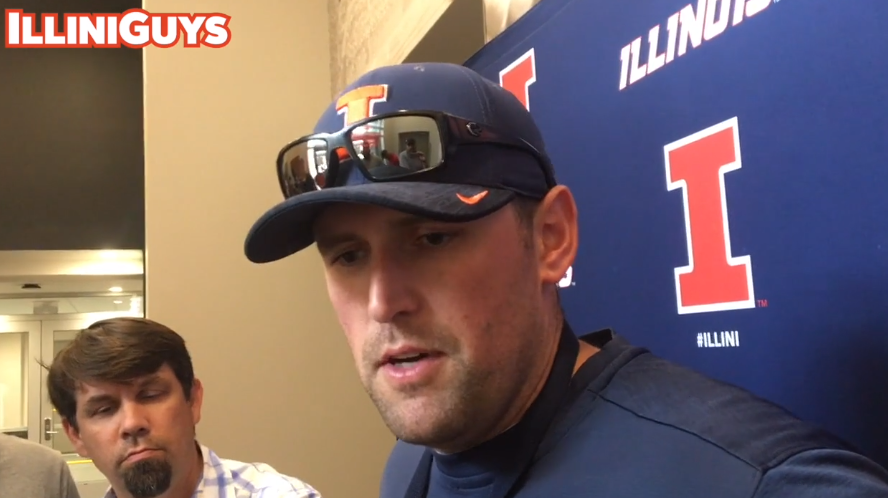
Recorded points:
(366, 34)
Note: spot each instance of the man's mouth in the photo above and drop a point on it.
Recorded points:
(406, 357)
(407, 360)
(410, 366)
(139, 454)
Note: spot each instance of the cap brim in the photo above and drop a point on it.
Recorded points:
(288, 227)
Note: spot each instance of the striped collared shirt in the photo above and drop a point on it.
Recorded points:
(223, 478)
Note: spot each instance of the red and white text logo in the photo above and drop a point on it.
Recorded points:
(714, 279)
(134, 28)
(517, 78)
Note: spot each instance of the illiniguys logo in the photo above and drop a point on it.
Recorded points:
(135, 28)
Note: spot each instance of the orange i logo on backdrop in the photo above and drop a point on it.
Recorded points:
(714, 279)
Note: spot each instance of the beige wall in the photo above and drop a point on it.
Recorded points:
(280, 383)
(365, 34)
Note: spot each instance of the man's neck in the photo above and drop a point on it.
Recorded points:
(189, 482)
(586, 351)
(521, 405)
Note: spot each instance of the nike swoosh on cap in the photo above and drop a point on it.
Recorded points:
(475, 199)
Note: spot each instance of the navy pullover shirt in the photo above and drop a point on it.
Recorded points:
(637, 426)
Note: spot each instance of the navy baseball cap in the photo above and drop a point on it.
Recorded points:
(466, 180)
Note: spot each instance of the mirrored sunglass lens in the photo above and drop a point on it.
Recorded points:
(399, 145)
(303, 167)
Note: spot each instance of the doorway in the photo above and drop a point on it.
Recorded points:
(25, 342)
(25, 409)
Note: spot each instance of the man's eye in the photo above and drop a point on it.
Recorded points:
(436, 238)
(347, 258)
(100, 411)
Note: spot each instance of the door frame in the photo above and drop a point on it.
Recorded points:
(34, 381)
(38, 402)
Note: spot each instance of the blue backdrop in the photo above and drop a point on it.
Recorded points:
(748, 141)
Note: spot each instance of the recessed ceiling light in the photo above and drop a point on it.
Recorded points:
(118, 301)
(116, 289)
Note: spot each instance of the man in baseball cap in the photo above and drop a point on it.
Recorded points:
(444, 279)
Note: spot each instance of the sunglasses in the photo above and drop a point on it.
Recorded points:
(386, 147)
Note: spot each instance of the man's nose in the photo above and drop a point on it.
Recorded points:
(135, 420)
(392, 290)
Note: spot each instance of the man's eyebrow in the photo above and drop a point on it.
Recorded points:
(98, 399)
(151, 379)
(327, 239)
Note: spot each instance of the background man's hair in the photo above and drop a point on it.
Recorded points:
(115, 350)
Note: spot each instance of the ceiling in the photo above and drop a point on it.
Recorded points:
(18, 265)
(71, 284)
(70, 281)
(57, 306)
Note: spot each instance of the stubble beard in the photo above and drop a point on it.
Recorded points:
(467, 406)
(430, 415)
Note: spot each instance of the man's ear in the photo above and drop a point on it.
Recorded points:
(74, 436)
(196, 399)
(557, 232)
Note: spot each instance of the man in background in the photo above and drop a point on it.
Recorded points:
(410, 157)
(126, 391)
(30, 470)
